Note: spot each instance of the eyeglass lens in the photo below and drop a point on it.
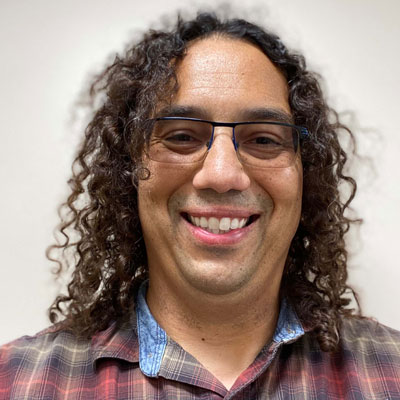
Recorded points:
(258, 144)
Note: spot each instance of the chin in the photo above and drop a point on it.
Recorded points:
(214, 282)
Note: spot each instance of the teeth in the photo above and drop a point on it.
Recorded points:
(225, 224)
(242, 222)
(234, 223)
(216, 225)
(213, 223)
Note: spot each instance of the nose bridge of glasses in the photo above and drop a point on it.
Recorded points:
(223, 129)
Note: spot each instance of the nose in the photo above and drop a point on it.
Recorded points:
(221, 169)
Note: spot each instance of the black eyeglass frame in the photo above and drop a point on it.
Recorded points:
(302, 131)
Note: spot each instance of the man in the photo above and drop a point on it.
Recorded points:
(210, 261)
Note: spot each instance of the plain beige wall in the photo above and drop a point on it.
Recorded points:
(48, 48)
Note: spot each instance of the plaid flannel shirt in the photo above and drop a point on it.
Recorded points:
(137, 360)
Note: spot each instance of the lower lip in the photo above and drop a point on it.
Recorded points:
(223, 239)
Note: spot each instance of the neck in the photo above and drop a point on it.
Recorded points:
(224, 332)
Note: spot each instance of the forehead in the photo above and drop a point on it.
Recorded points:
(230, 74)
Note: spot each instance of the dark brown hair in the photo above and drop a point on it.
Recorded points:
(109, 256)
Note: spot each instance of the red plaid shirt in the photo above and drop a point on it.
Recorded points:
(56, 365)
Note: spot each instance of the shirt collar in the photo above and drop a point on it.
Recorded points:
(288, 327)
(153, 339)
(119, 340)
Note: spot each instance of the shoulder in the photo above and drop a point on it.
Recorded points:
(37, 357)
(369, 352)
(50, 341)
(366, 335)
(361, 339)
(366, 363)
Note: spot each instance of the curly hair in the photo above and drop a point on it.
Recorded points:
(109, 253)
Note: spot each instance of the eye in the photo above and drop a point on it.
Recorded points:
(180, 138)
(265, 137)
(266, 140)
(182, 141)
(263, 140)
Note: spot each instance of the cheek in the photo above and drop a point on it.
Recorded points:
(285, 188)
(164, 180)
(284, 184)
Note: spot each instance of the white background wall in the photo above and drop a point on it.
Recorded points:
(49, 48)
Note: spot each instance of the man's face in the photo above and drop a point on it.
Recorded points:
(222, 80)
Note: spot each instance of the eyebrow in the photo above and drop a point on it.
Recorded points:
(182, 111)
(260, 114)
(252, 114)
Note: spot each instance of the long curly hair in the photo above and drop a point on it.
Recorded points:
(100, 223)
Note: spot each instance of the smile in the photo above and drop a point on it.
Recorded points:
(219, 225)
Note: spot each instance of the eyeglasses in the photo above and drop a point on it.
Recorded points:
(266, 144)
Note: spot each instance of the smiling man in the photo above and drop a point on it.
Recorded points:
(222, 279)
(211, 261)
